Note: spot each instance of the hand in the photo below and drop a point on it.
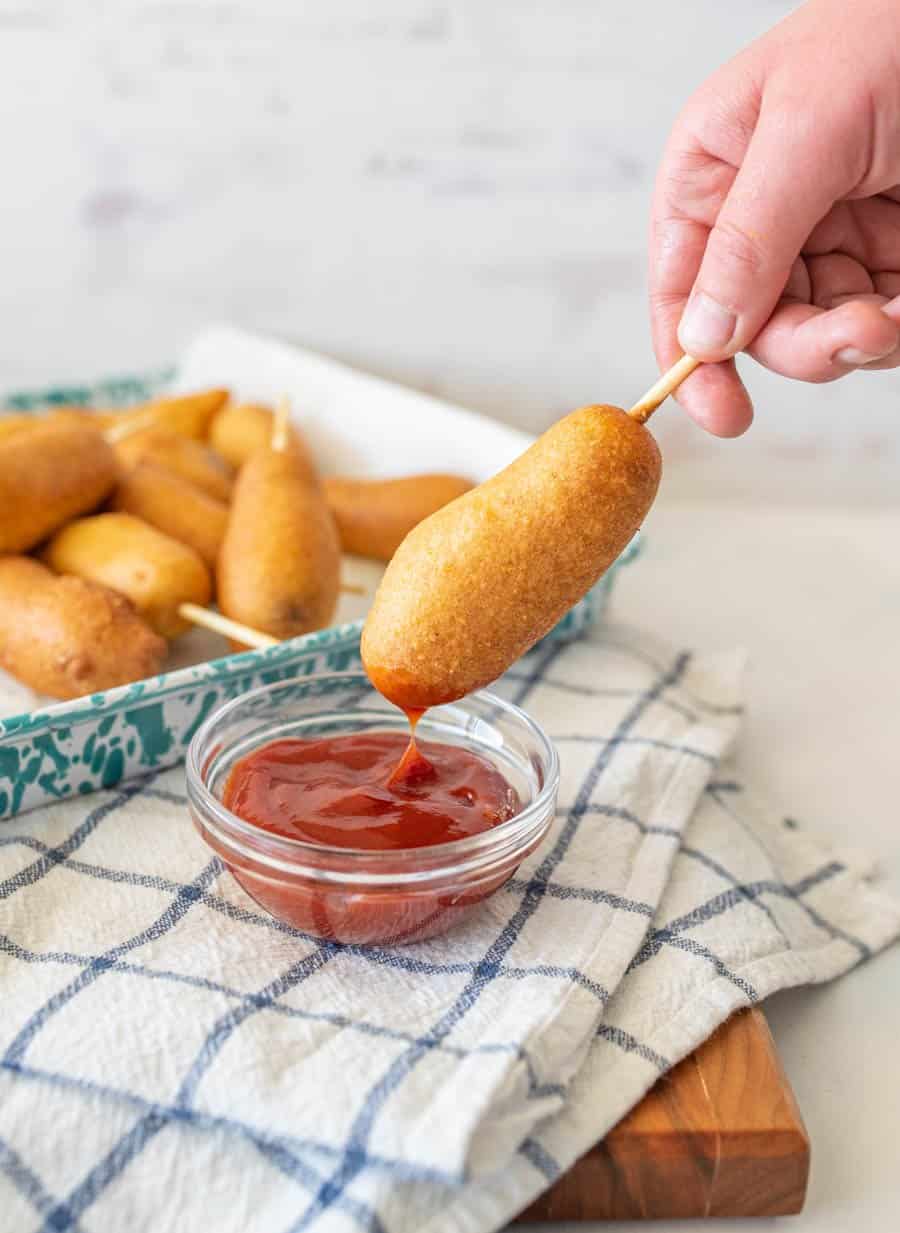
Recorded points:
(776, 215)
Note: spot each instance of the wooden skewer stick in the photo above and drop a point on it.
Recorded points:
(658, 393)
(118, 432)
(281, 423)
(224, 625)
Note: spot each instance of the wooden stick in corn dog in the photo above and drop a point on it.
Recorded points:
(233, 630)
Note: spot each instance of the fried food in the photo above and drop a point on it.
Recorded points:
(50, 473)
(474, 586)
(375, 516)
(190, 415)
(10, 424)
(190, 459)
(66, 637)
(174, 506)
(154, 571)
(240, 430)
(279, 565)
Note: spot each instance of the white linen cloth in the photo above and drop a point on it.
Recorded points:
(171, 1058)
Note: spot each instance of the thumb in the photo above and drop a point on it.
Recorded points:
(763, 224)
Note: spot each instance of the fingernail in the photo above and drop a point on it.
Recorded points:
(855, 357)
(705, 325)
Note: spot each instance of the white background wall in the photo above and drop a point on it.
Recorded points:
(453, 194)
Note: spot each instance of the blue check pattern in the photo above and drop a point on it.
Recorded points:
(172, 1058)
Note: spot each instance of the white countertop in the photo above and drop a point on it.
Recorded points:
(815, 597)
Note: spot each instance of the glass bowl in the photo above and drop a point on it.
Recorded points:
(359, 896)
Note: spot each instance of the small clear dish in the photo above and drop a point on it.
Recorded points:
(366, 897)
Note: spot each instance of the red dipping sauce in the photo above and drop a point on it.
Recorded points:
(372, 791)
(374, 814)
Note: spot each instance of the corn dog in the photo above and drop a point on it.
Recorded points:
(279, 564)
(374, 516)
(190, 459)
(479, 582)
(67, 637)
(239, 430)
(154, 571)
(72, 414)
(175, 506)
(189, 415)
(15, 423)
(50, 473)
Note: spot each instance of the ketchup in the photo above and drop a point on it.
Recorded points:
(375, 791)
(390, 802)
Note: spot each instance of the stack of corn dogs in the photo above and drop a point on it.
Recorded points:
(119, 529)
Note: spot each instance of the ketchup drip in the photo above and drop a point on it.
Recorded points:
(413, 767)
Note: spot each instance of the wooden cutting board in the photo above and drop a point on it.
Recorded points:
(720, 1135)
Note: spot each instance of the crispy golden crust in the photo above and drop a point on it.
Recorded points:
(479, 582)
(239, 430)
(153, 570)
(67, 637)
(190, 459)
(187, 414)
(242, 429)
(50, 473)
(375, 516)
(279, 564)
(10, 424)
(175, 507)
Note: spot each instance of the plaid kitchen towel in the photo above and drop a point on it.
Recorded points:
(171, 1059)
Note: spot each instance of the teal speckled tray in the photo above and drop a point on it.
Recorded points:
(73, 748)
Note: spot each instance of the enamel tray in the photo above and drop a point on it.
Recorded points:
(53, 752)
